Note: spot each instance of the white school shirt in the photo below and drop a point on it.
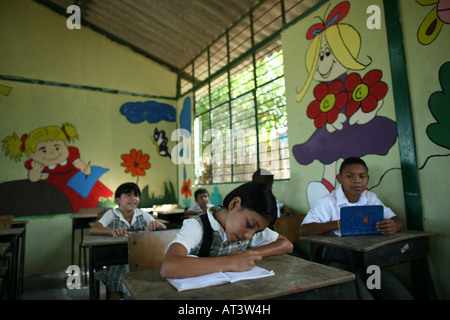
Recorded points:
(329, 207)
(108, 217)
(191, 234)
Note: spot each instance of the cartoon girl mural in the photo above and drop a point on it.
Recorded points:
(53, 161)
(345, 106)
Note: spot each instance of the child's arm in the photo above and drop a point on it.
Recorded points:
(177, 264)
(390, 226)
(318, 228)
(98, 229)
(83, 167)
(279, 246)
(153, 225)
(189, 212)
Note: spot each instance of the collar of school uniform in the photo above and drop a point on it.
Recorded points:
(341, 199)
(216, 226)
(136, 213)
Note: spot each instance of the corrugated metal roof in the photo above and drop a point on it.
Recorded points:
(174, 32)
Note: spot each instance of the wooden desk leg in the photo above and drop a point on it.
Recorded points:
(13, 272)
(92, 295)
(73, 242)
(422, 280)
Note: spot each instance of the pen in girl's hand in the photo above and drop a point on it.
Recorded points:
(240, 246)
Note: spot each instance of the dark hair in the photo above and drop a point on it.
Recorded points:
(266, 178)
(255, 196)
(127, 188)
(352, 160)
(200, 191)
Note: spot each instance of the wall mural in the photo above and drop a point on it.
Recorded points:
(5, 90)
(347, 99)
(427, 33)
(136, 162)
(59, 181)
(432, 24)
(160, 140)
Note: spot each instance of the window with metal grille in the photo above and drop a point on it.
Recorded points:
(240, 120)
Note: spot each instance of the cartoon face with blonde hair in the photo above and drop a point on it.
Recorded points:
(334, 49)
(49, 145)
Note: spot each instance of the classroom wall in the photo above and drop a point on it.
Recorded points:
(59, 76)
(427, 74)
(428, 67)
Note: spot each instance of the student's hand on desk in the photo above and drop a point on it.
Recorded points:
(156, 225)
(244, 261)
(119, 232)
(387, 226)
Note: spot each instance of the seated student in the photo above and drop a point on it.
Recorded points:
(244, 218)
(118, 222)
(325, 215)
(202, 198)
(265, 176)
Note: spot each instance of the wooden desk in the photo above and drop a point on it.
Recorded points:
(80, 222)
(21, 224)
(104, 251)
(384, 250)
(293, 276)
(174, 216)
(13, 235)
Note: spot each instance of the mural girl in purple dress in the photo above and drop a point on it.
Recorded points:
(345, 106)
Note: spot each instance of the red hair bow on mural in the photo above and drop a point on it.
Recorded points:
(336, 15)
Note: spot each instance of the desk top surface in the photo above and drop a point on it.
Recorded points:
(84, 216)
(11, 231)
(366, 242)
(292, 275)
(98, 240)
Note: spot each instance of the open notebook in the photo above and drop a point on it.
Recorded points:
(217, 278)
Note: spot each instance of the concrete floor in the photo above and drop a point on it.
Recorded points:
(52, 286)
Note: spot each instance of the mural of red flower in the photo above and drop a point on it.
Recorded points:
(136, 162)
(365, 92)
(329, 100)
(186, 189)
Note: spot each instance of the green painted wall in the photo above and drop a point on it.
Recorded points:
(424, 63)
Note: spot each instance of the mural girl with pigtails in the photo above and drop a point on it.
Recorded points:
(346, 104)
(50, 159)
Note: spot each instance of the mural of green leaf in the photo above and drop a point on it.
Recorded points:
(439, 132)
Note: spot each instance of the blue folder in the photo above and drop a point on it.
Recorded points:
(360, 220)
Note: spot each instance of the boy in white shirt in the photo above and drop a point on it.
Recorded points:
(202, 198)
(325, 215)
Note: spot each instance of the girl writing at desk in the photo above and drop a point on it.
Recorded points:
(239, 235)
